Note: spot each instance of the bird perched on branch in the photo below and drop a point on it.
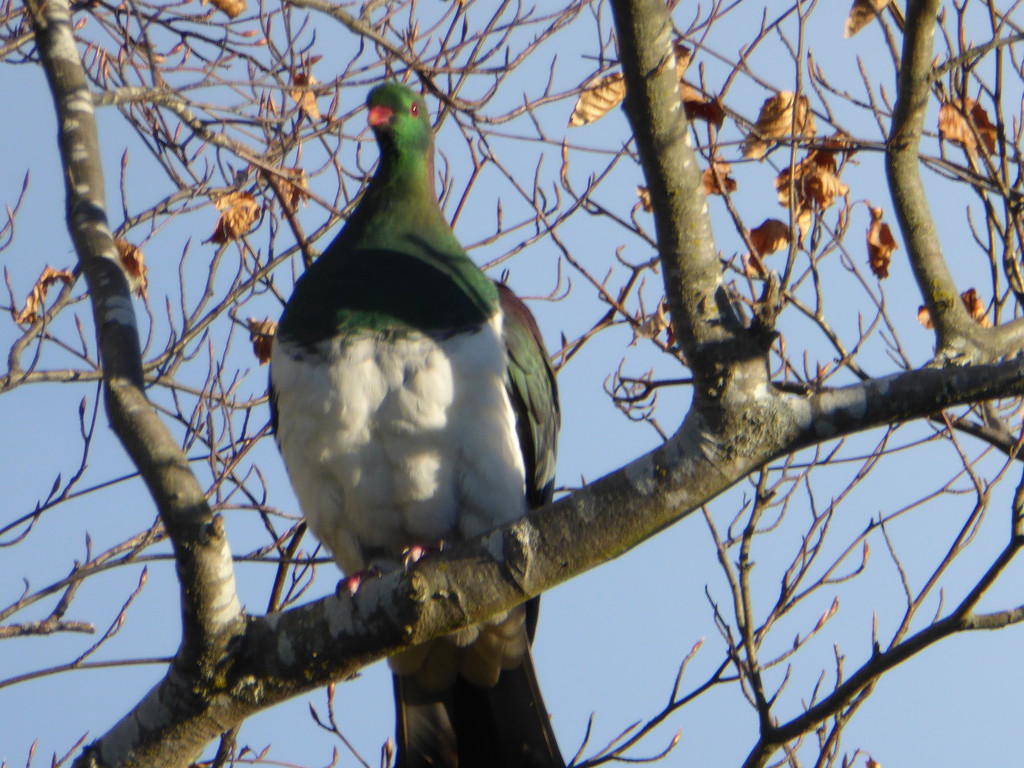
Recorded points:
(413, 403)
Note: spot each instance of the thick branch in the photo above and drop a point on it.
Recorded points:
(902, 397)
(707, 328)
(958, 336)
(908, 194)
(209, 603)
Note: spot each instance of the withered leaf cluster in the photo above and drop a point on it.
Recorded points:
(813, 183)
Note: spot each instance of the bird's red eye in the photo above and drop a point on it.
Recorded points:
(414, 110)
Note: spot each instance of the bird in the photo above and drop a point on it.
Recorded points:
(414, 405)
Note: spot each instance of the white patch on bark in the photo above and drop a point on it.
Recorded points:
(64, 42)
(338, 621)
(851, 402)
(123, 738)
(640, 474)
(118, 309)
(227, 609)
(81, 101)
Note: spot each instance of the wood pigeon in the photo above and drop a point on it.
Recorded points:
(414, 403)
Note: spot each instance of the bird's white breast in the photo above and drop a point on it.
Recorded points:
(391, 442)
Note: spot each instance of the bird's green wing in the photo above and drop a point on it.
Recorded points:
(534, 395)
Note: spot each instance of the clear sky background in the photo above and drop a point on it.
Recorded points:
(610, 641)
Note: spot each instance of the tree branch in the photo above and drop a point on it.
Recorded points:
(958, 336)
(717, 348)
(210, 607)
(902, 166)
(902, 397)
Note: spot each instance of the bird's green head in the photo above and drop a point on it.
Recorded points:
(399, 119)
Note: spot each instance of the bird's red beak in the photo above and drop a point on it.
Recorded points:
(379, 116)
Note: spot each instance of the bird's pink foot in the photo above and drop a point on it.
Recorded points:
(415, 553)
(351, 583)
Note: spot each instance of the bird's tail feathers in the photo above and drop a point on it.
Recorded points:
(469, 726)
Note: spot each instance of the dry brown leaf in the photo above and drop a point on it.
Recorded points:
(797, 173)
(294, 185)
(683, 58)
(135, 267)
(815, 182)
(230, 8)
(306, 99)
(599, 97)
(699, 107)
(822, 187)
(881, 244)
(261, 334)
(34, 302)
(863, 13)
(804, 222)
(953, 124)
(238, 212)
(975, 308)
(782, 115)
(645, 198)
(688, 93)
(753, 267)
(823, 158)
(870, 763)
(716, 177)
(974, 305)
(832, 149)
(770, 236)
(986, 130)
(924, 316)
